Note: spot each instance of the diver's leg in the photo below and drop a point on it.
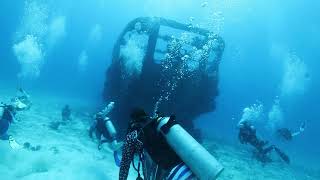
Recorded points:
(258, 143)
(99, 134)
(91, 130)
(4, 126)
(283, 156)
(268, 149)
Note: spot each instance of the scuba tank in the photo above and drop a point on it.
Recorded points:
(113, 133)
(108, 108)
(110, 127)
(194, 155)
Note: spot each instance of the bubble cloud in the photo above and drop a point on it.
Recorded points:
(252, 113)
(57, 30)
(35, 36)
(95, 33)
(30, 56)
(295, 78)
(275, 116)
(133, 53)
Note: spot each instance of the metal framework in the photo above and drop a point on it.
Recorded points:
(194, 93)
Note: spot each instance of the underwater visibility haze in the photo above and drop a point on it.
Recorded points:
(80, 80)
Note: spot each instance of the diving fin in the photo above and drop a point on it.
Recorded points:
(117, 154)
(13, 144)
(117, 158)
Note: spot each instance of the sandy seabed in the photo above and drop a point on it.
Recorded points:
(68, 153)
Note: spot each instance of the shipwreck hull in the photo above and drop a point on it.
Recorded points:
(162, 79)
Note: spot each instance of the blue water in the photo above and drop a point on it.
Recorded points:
(272, 53)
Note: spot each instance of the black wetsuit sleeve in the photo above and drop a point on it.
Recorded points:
(158, 148)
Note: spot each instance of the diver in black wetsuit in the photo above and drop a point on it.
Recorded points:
(100, 129)
(6, 118)
(102, 126)
(286, 134)
(142, 136)
(247, 135)
(66, 113)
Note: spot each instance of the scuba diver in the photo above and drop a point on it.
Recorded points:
(286, 134)
(165, 150)
(22, 101)
(66, 113)
(247, 135)
(7, 117)
(102, 126)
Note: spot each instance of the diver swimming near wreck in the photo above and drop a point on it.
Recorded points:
(8, 112)
(66, 113)
(247, 135)
(102, 126)
(288, 135)
(7, 117)
(165, 150)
